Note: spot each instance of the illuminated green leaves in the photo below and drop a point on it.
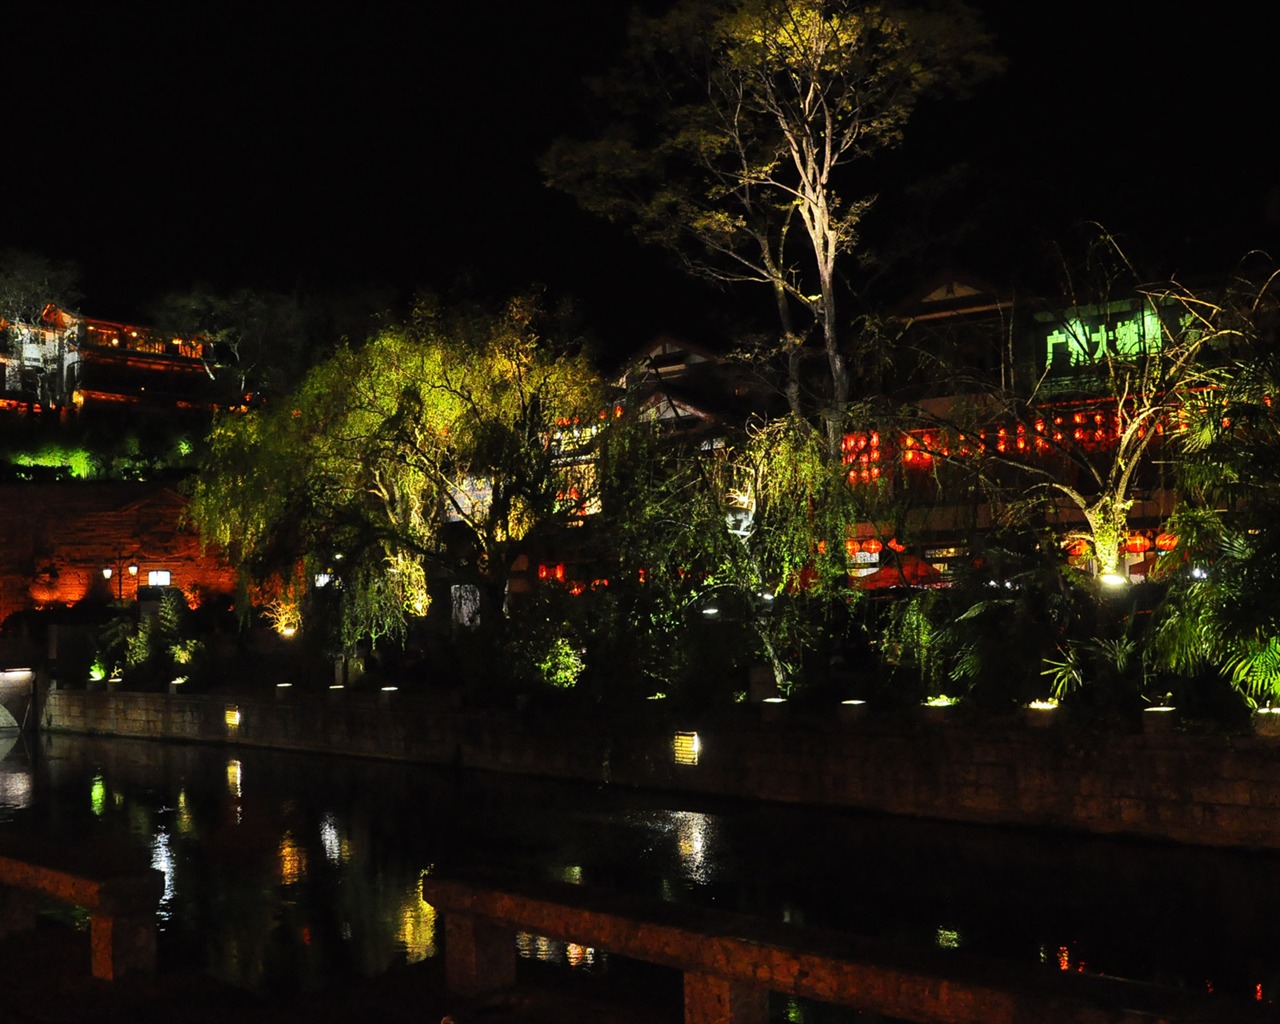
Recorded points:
(453, 420)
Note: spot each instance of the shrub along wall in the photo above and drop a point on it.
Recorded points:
(1205, 790)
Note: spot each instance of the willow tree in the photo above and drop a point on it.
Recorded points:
(738, 122)
(716, 556)
(417, 460)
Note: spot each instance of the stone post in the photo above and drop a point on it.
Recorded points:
(479, 955)
(712, 1000)
(122, 943)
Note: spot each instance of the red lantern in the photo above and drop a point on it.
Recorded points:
(851, 547)
(1166, 542)
(1137, 543)
(893, 543)
(1077, 548)
(872, 546)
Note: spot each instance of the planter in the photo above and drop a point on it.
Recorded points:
(773, 709)
(937, 714)
(1040, 714)
(1266, 722)
(761, 683)
(1159, 719)
(853, 710)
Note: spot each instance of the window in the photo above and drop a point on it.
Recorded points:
(158, 578)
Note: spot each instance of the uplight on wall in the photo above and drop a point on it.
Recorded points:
(686, 747)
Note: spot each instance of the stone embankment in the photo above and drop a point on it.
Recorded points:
(1211, 790)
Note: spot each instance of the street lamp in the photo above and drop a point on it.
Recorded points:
(108, 572)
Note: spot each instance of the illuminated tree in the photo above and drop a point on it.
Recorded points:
(706, 559)
(418, 460)
(739, 122)
(1121, 361)
(653, 615)
(793, 508)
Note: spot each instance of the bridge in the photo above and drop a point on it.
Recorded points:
(119, 894)
(732, 962)
(17, 686)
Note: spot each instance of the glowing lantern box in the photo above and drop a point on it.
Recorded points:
(686, 747)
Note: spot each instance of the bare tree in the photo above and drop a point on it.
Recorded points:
(760, 106)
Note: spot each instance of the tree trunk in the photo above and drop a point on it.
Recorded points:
(836, 365)
(1108, 519)
(791, 346)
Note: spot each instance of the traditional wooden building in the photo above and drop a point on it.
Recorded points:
(66, 362)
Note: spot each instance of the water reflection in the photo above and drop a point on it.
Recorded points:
(15, 787)
(690, 835)
(98, 795)
(417, 933)
(335, 849)
(553, 951)
(162, 861)
(286, 872)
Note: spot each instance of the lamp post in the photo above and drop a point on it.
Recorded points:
(108, 571)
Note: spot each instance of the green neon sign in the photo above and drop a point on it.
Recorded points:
(1094, 334)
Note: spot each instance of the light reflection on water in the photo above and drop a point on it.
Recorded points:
(285, 873)
(162, 861)
(553, 951)
(685, 838)
(417, 934)
(15, 789)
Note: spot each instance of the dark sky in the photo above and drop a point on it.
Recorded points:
(332, 145)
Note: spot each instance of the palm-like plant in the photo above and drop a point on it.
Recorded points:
(1222, 613)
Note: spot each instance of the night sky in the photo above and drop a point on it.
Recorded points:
(335, 145)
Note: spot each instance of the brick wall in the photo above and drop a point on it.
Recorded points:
(55, 540)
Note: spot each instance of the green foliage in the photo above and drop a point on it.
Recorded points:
(561, 664)
(914, 646)
(1221, 615)
(150, 649)
(1104, 662)
(660, 541)
(140, 447)
(714, 560)
(992, 630)
(77, 462)
(406, 464)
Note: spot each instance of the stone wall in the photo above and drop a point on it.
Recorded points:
(1206, 790)
(55, 540)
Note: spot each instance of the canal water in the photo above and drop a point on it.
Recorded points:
(284, 872)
